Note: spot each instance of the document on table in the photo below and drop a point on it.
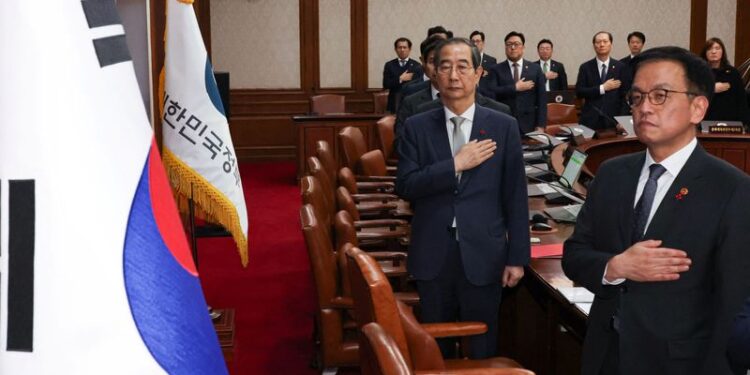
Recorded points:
(576, 294)
(585, 307)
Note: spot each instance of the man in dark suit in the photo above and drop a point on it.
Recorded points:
(554, 71)
(519, 83)
(662, 238)
(636, 40)
(423, 82)
(461, 166)
(423, 96)
(739, 341)
(602, 83)
(399, 71)
(487, 61)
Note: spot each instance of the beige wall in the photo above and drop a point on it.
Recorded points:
(569, 23)
(257, 41)
(335, 43)
(721, 22)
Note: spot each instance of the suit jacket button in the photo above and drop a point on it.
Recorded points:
(455, 192)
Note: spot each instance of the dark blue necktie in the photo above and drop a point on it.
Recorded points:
(603, 75)
(643, 207)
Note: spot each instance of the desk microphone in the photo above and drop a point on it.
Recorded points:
(543, 147)
(607, 117)
(566, 192)
(546, 172)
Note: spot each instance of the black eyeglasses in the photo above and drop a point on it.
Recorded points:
(655, 96)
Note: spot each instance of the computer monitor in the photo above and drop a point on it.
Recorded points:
(573, 169)
(627, 123)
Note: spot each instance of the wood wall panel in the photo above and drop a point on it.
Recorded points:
(742, 33)
(263, 137)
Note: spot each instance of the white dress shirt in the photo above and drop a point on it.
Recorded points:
(673, 164)
(520, 67)
(434, 92)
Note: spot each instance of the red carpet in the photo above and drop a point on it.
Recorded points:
(273, 297)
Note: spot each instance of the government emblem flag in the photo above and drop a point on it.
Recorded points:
(95, 271)
(198, 150)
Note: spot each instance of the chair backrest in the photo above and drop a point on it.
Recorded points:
(386, 134)
(348, 180)
(312, 194)
(558, 113)
(322, 104)
(327, 159)
(329, 290)
(379, 354)
(315, 168)
(354, 145)
(373, 297)
(372, 163)
(380, 101)
(345, 230)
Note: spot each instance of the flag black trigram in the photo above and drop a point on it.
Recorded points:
(21, 224)
(111, 49)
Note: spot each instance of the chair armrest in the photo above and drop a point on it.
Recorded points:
(376, 178)
(392, 170)
(376, 207)
(387, 255)
(380, 223)
(477, 371)
(342, 302)
(369, 197)
(376, 186)
(455, 329)
(383, 235)
(409, 298)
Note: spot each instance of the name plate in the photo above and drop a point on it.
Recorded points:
(721, 128)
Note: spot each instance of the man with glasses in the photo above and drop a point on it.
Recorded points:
(520, 84)
(461, 167)
(662, 240)
(602, 84)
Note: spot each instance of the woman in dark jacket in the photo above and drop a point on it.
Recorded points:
(730, 101)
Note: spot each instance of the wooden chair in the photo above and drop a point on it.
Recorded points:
(324, 104)
(337, 344)
(354, 145)
(386, 136)
(379, 355)
(335, 348)
(368, 184)
(558, 113)
(380, 184)
(380, 101)
(374, 302)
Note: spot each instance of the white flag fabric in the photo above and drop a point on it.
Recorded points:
(95, 271)
(198, 149)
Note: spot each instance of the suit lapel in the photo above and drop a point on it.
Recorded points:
(670, 208)
(611, 68)
(442, 144)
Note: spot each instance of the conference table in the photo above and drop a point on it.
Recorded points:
(539, 327)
